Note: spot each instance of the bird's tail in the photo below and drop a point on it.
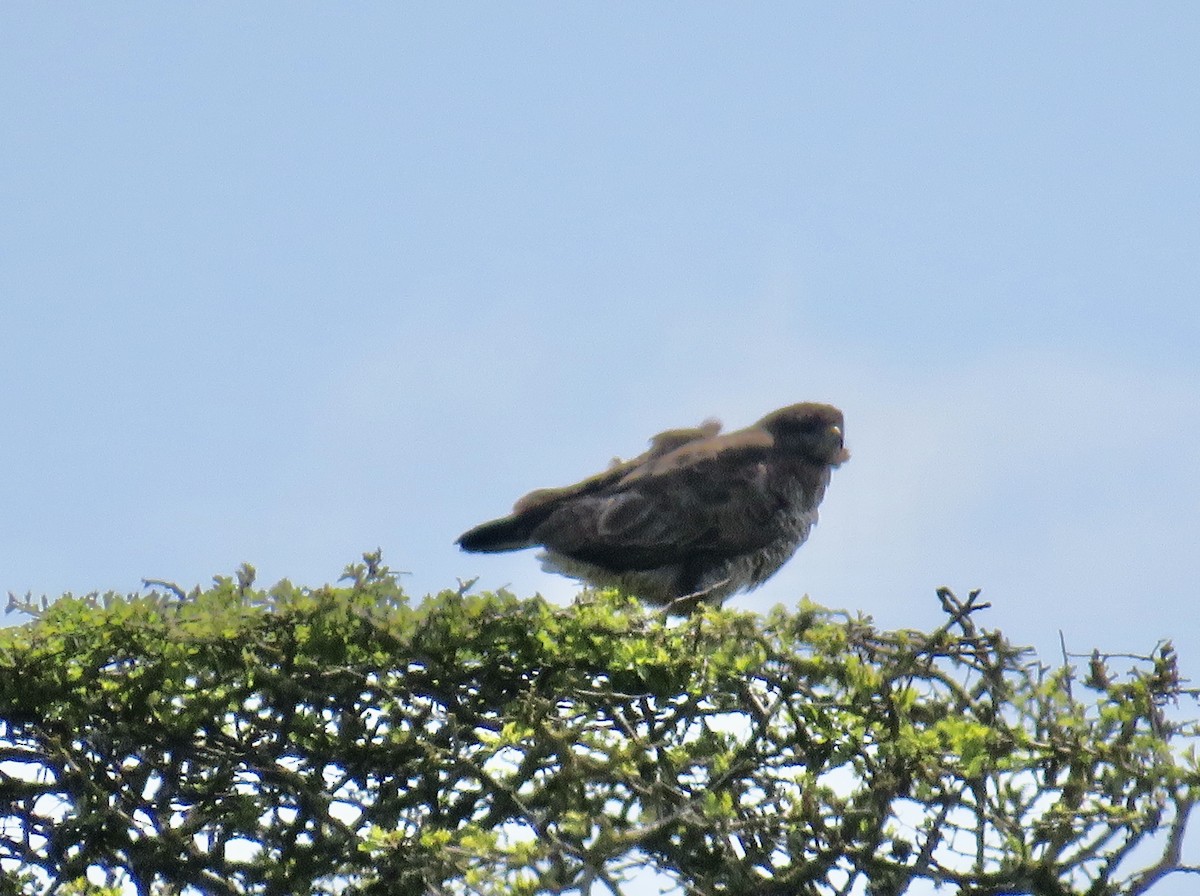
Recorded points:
(509, 533)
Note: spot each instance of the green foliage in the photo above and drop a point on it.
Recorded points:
(344, 740)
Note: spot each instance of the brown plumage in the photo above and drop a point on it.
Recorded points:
(697, 517)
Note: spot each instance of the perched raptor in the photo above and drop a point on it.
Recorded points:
(697, 517)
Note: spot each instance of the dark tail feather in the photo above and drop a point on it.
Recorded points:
(510, 533)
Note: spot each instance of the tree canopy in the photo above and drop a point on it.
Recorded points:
(350, 740)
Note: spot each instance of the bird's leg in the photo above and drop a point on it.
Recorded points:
(685, 602)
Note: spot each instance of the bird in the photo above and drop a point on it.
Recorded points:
(698, 517)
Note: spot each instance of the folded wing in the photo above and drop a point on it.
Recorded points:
(706, 505)
(530, 512)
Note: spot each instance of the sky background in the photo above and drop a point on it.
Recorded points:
(288, 282)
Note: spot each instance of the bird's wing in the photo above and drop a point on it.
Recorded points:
(660, 445)
(732, 450)
(518, 529)
(716, 503)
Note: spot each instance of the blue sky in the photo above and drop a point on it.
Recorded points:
(285, 283)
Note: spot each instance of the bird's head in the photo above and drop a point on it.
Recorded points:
(814, 430)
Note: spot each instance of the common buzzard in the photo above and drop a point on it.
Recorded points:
(697, 517)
